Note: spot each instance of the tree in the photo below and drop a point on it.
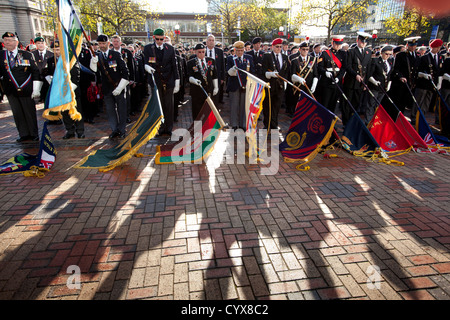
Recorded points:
(413, 22)
(116, 16)
(253, 18)
(332, 13)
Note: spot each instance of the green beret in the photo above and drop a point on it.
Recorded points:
(158, 32)
(39, 39)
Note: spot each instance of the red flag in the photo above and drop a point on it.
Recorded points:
(409, 132)
(386, 133)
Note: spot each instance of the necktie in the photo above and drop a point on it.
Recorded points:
(11, 59)
(105, 55)
(385, 67)
(203, 65)
(277, 58)
(436, 59)
(210, 53)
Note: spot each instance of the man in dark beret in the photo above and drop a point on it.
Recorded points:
(113, 74)
(22, 84)
(160, 60)
(41, 55)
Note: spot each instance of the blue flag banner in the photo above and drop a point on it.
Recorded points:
(310, 129)
(435, 142)
(358, 141)
(32, 165)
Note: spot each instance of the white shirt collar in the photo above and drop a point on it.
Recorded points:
(15, 51)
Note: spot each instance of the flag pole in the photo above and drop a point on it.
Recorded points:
(213, 108)
(440, 95)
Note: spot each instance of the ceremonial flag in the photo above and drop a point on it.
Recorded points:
(32, 165)
(410, 133)
(72, 27)
(310, 129)
(62, 96)
(199, 140)
(444, 117)
(254, 98)
(386, 133)
(145, 128)
(357, 139)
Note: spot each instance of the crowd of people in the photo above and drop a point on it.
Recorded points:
(114, 77)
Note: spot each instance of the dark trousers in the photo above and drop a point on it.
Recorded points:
(328, 96)
(272, 109)
(197, 103)
(71, 125)
(24, 113)
(166, 98)
(354, 98)
(116, 110)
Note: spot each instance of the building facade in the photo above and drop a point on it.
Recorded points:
(24, 17)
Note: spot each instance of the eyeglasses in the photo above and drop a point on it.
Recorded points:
(159, 39)
(304, 49)
(387, 54)
(279, 46)
(201, 51)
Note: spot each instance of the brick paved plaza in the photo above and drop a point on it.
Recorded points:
(346, 229)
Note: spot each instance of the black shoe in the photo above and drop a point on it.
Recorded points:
(22, 139)
(81, 135)
(113, 135)
(121, 135)
(34, 138)
(128, 120)
(69, 136)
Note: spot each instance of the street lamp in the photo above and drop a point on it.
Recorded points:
(281, 31)
(177, 32)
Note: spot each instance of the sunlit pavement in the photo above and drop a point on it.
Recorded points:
(346, 229)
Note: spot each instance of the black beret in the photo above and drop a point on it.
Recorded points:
(248, 43)
(386, 48)
(9, 35)
(54, 44)
(199, 46)
(102, 38)
(304, 44)
(256, 40)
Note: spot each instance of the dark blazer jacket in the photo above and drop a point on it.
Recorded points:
(357, 64)
(24, 67)
(428, 65)
(220, 62)
(74, 72)
(268, 64)
(193, 70)
(42, 63)
(127, 56)
(405, 66)
(377, 72)
(306, 69)
(166, 67)
(257, 62)
(114, 66)
(325, 64)
(246, 63)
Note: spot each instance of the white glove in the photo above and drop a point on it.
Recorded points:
(446, 76)
(314, 85)
(328, 74)
(374, 82)
(37, 85)
(296, 78)
(232, 71)
(271, 74)
(149, 69)
(74, 86)
(439, 85)
(425, 75)
(120, 87)
(177, 86)
(195, 81)
(388, 86)
(93, 64)
(49, 79)
(216, 86)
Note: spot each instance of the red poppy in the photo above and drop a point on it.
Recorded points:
(209, 62)
(110, 56)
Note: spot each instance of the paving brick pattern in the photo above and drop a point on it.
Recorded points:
(346, 229)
